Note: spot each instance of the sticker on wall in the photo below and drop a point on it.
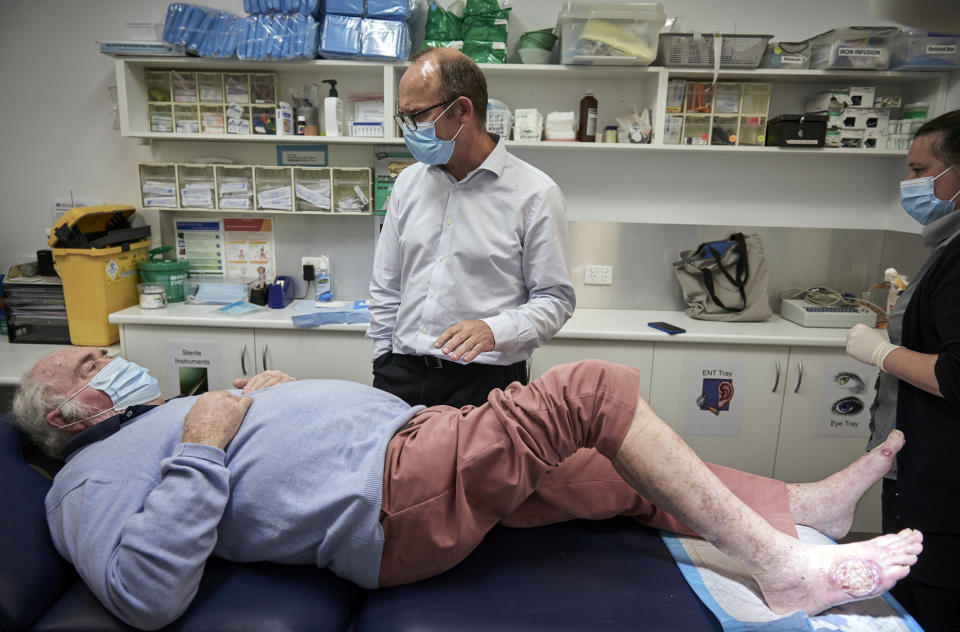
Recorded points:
(715, 396)
(847, 390)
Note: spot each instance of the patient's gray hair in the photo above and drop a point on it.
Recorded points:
(31, 403)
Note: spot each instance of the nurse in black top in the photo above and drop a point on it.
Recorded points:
(919, 385)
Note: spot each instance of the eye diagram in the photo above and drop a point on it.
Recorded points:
(850, 382)
(847, 406)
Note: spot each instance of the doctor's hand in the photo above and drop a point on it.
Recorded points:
(215, 418)
(466, 340)
(868, 345)
(262, 380)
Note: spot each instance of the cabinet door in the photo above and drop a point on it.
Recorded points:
(825, 422)
(724, 400)
(636, 354)
(341, 355)
(190, 360)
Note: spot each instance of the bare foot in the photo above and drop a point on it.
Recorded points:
(813, 578)
(829, 505)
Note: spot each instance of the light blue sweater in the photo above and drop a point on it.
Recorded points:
(138, 512)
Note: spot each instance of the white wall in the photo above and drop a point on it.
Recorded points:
(57, 135)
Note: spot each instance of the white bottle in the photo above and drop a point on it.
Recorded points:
(332, 111)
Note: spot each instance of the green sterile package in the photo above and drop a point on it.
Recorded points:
(474, 7)
(485, 32)
(458, 44)
(485, 52)
(442, 25)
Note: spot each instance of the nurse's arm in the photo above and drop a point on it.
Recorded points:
(914, 368)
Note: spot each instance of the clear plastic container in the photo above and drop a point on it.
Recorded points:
(158, 85)
(752, 130)
(184, 86)
(158, 186)
(212, 120)
(609, 33)
(787, 55)
(211, 87)
(756, 98)
(196, 186)
(723, 130)
(161, 117)
(273, 188)
(311, 187)
(152, 295)
(237, 88)
(351, 190)
(699, 98)
(145, 31)
(185, 119)
(919, 50)
(234, 187)
(852, 48)
(263, 87)
(726, 98)
(696, 130)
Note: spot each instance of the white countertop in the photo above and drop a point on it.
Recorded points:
(590, 324)
(17, 358)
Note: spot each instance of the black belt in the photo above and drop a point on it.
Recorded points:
(434, 362)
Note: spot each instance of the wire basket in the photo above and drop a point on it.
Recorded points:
(736, 51)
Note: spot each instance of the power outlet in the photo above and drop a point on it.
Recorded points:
(310, 261)
(598, 275)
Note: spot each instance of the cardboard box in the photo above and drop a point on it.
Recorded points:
(852, 138)
(829, 101)
(861, 97)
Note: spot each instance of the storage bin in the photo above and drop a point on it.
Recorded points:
(234, 187)
(273, 188)
(97, 281)
(168, 273)
(787, 55)
(351, 190)
(196, 186)
(689, 51)
(311, 186)
(919, 50)
(158, 185)
(797, 130)
(852, 48)
(609, 33)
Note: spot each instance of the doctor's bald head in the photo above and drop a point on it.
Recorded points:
(447, 74)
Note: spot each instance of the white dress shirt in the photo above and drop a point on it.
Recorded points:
(492, 247)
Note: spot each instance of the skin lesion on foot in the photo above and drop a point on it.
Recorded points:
(858, 578)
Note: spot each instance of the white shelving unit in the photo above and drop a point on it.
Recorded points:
(546, 87)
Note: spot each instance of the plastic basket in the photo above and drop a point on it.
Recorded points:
(690, 51)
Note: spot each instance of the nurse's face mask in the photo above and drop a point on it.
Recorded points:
(921, 203)
(126, 383)
(424, 144)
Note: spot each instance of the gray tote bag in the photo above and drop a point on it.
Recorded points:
(725, 280)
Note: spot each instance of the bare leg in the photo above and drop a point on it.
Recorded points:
(792, 575)
(829, 505)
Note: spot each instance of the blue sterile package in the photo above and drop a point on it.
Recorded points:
(384, 39)
(340, 36)
(344, 7)
(335, 313)
(276, 36)
(214, 293)
(290, 7)
(388, 9)
(240, 308)
(201, 30)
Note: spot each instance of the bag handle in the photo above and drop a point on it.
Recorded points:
(742, 272)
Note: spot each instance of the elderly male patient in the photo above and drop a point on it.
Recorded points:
(351, 478)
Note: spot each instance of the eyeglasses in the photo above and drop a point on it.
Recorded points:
(408, 120)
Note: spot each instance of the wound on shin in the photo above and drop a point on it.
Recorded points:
(858, 578)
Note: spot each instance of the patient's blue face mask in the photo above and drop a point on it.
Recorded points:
(126, 383)
(921, 203)
(424, 144)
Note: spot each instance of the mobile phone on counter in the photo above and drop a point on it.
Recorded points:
(667, 327)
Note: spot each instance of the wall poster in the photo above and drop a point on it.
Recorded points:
(715, 398)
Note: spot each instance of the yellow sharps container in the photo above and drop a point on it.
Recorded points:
(95, 252)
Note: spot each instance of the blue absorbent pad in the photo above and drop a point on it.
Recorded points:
(388, 9)
(344, 7)
(340, 36)
(384, 39)
(309, 315)
(727, 589)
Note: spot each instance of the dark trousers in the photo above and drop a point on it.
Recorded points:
(931, 592)
(431, 381)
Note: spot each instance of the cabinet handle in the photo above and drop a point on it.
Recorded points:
(243, 360)
(264, 358)
(799, 376)
(776, 380)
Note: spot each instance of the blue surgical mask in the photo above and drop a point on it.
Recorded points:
(126, 383)
(424, 144)
(920, 202)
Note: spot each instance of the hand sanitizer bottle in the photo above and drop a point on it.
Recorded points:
(332, 111)
(324, 291)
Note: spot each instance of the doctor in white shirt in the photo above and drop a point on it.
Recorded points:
(472, 268)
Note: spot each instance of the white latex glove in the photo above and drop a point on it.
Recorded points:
(868, 345)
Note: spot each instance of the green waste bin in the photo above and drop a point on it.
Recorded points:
(170, 272)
